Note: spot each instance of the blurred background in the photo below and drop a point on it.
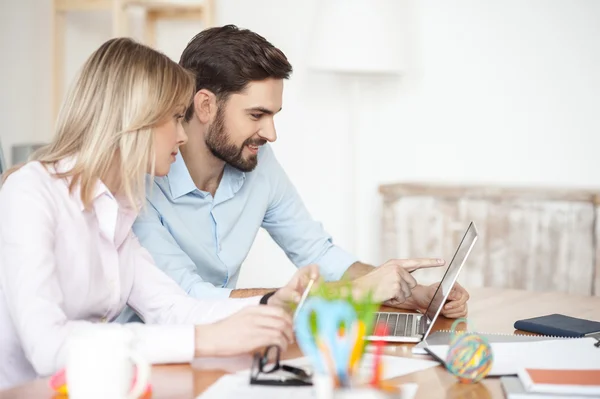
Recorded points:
(403, 121)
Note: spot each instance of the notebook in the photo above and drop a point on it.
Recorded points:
(513, 389)
(557, 381)
(559, 325)
(442, 337)
(509, 357)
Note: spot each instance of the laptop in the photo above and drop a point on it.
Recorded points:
(415, 327)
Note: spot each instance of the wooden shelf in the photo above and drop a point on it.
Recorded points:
(154, 10)
(82, 5)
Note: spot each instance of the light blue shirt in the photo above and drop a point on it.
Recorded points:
(201, 241)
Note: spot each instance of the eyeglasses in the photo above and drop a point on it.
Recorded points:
(260, 365)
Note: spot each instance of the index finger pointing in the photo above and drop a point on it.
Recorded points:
(420, 263)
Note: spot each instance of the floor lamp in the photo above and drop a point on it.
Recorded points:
(356, 39)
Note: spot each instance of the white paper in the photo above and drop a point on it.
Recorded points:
(238, 386)
(419, 351)
(393, 366)
(508, 358)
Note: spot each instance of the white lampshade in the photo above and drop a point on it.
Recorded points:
(356, 36)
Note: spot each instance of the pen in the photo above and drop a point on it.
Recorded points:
(304, 296)
(380, 330)
(358, 346)
(328, 361)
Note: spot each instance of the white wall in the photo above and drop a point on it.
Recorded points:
(493, 92)
(24, 75)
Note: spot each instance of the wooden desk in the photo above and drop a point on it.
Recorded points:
(490, 310)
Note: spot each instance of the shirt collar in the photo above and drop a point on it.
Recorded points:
(231, 183)
(181, 183)
(100, 189)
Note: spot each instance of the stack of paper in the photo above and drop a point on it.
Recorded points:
(509, 358)
(513, 389)
(561, 382)
(444, 338)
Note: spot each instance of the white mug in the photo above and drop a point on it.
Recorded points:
(100, 364)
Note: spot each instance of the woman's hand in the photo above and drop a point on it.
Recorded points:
(290, 295)
(244, 332)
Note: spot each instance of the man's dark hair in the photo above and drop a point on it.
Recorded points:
(225, 59)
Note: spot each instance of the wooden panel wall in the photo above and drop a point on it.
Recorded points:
(543, 240)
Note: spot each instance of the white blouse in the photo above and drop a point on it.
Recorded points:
(64, 268)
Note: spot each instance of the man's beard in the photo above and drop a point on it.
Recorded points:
(217, 141)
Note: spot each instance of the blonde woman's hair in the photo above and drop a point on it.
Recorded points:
(122, 92)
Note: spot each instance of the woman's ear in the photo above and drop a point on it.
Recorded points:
(205, 105)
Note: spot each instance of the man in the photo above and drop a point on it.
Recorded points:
(201, 219)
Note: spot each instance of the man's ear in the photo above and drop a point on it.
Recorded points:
(205, 105)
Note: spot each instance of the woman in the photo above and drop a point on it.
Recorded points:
(68, 258)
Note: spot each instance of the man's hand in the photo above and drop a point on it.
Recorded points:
(392, 280)
(292, 292)
(455, 306)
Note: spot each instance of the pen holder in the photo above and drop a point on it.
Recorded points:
(330, 329)
(469, 355)
(327, 333)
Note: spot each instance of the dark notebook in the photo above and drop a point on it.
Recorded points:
(559, 325)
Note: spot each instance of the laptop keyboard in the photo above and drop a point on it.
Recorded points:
(398, 324)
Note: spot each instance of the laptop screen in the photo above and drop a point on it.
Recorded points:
(441, 294)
